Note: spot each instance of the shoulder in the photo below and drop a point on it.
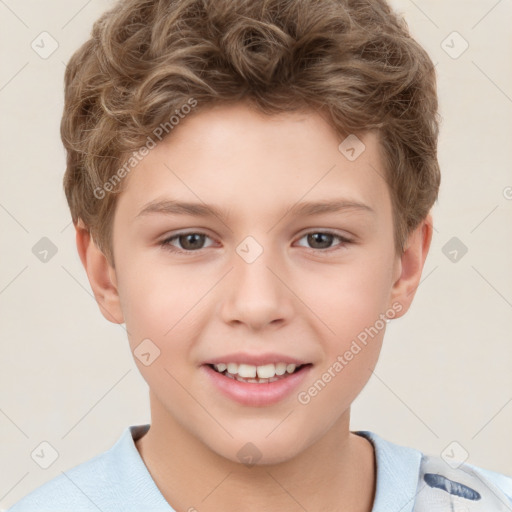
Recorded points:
(416, 482)
(116, 480)
(74, 489)
(463, 485)
(504, 482)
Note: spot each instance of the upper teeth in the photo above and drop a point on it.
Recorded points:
(249, 371)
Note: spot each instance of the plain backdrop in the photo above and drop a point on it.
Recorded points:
(67, 376)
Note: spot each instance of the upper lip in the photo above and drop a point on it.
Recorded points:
(255, 359)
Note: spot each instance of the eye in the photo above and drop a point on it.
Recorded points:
(323, 239)
(194, 241)
(189, 242)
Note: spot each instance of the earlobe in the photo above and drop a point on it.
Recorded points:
(101, 275)
(411, 265)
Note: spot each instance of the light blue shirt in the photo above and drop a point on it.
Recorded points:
(118, 481)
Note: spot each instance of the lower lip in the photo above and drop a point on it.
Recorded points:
(250, 393)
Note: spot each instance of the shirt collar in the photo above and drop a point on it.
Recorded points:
(397, 469)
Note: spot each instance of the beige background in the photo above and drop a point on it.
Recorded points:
(66, 374)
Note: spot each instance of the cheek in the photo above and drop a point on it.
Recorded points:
(350, 303)
(155, 298)
(164, 304)
(158, 306)
(348, 297)
(352, 306)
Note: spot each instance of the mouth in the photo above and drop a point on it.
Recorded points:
(256, 386)
(264, 374)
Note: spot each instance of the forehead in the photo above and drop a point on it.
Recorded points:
(240, 159)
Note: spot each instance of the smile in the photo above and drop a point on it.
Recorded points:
(256, 386)
(256, 374)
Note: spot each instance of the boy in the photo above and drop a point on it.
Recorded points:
(258, 131)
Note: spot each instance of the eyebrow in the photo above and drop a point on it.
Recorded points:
(304, 209)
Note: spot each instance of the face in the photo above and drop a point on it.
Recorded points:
(295, 266)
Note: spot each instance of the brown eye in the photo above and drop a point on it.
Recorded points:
(320, 240)
(187, 242)
(191, 241)
(324, 239)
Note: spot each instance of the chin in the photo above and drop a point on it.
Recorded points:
(258, 450)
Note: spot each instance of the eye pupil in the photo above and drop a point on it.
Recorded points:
(317, 238)
(195, 237)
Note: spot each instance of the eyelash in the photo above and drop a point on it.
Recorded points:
(166, 244)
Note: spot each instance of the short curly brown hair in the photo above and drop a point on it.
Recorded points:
(353, 60)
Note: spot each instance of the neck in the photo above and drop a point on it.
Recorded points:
(335, 473)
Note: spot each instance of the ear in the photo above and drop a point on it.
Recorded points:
(410, 265)
(101, 274)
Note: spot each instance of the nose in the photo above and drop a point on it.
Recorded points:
(256, 294)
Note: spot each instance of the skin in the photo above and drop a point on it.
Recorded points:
(299, 298)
